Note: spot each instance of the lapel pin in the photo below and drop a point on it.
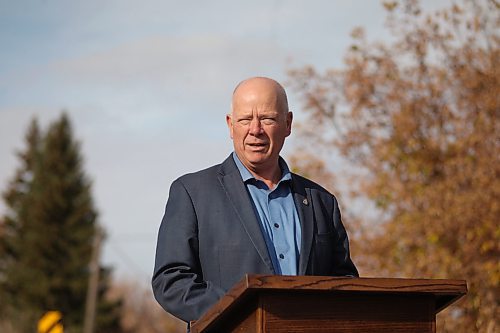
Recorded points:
(305, 202)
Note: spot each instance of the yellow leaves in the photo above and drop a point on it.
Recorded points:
(488, 246)
(470, 235)
(390, 5)
(433, 238)
(493, 267)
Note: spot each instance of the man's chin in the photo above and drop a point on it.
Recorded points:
(257, 158)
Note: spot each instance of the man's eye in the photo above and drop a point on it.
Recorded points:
(244, 121)
(268, 121)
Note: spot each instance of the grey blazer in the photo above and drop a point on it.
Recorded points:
(210, 238)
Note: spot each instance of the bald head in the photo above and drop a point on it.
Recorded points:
(256, 87)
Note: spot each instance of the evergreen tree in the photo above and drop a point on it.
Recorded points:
(18, 199)
(48, 237)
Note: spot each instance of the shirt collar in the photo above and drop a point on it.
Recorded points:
(246, 175)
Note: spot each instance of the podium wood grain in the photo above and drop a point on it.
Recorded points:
(264, 303)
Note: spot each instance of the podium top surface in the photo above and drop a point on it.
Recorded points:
(444, 291)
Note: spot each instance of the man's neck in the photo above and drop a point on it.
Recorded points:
(270, 175)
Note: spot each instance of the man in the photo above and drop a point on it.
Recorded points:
(249, 214)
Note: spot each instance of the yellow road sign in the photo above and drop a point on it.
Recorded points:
(51, 322)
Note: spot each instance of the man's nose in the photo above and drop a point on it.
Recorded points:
(255, 127)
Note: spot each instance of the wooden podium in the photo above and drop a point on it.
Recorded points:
(292, 304)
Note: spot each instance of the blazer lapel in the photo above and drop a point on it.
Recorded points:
(237, 194)
(304, 208)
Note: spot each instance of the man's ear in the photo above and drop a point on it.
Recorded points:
(229, 121)
(289, 119)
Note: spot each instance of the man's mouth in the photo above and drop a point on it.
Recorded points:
(257, 146)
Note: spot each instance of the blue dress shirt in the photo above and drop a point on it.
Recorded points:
(279, 220)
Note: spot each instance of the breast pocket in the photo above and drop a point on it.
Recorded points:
(324, 253)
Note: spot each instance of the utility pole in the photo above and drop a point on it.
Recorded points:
(91, 301)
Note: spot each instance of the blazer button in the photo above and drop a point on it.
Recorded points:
(305, 202)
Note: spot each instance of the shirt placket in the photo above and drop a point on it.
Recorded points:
(278, 229)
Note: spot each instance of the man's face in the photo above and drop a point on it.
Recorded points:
(258, 126)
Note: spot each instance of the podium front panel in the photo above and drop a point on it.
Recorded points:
(343, 313)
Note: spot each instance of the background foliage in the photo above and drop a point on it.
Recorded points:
(418, 119)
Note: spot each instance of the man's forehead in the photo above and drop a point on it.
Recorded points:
(256, 109)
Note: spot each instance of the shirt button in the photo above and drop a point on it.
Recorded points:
(276, 225)
(282, 256)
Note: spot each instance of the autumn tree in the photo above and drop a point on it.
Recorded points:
(416, 118)
(47, 234)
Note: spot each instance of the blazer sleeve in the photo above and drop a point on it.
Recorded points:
(177, 282)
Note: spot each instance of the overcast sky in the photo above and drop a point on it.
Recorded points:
(147, 85)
